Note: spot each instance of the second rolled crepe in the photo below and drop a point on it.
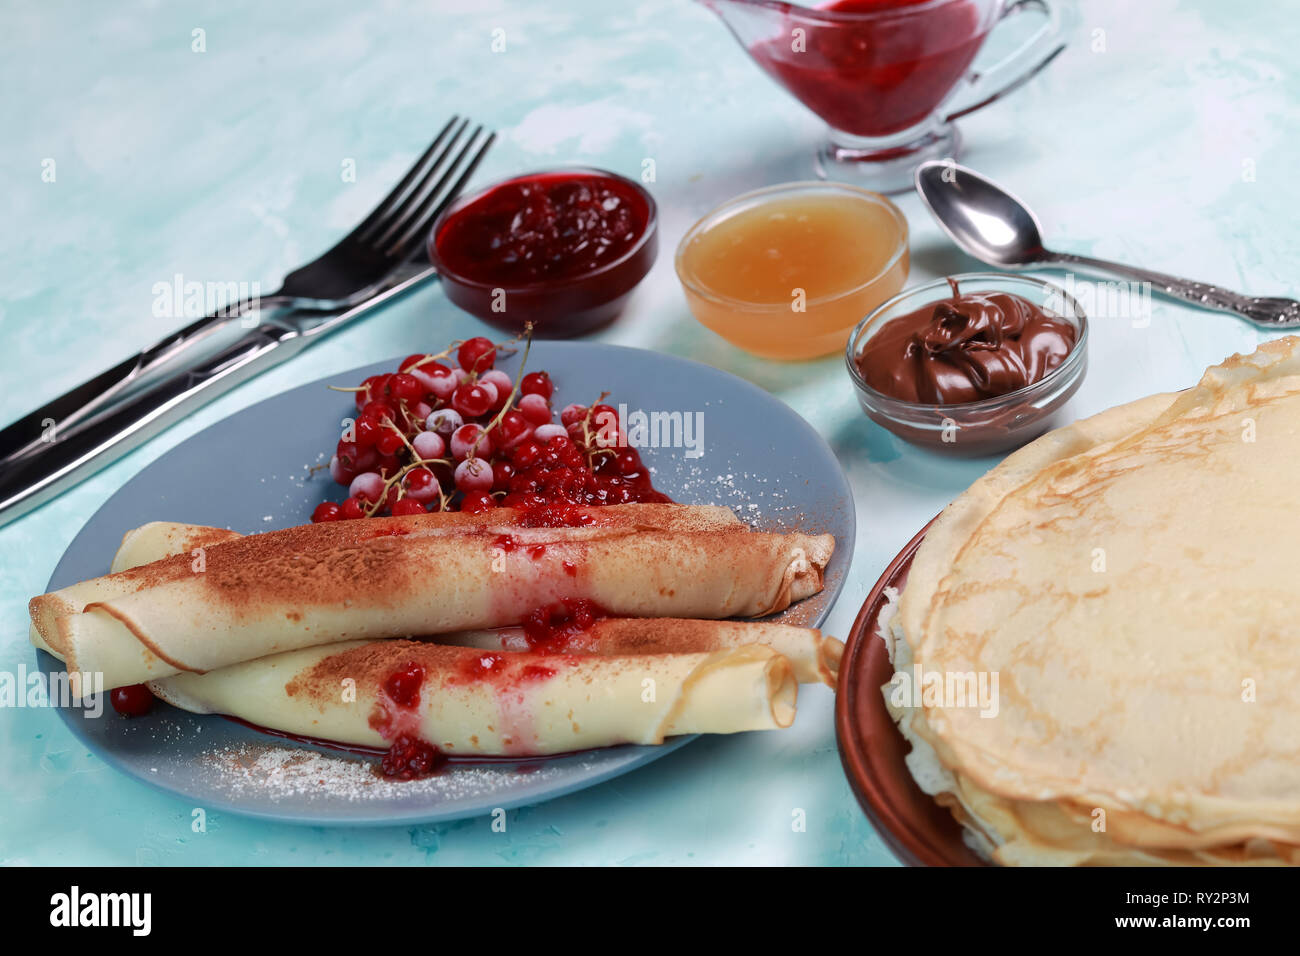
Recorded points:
(473, 702)
(265, 594)
(814, 656)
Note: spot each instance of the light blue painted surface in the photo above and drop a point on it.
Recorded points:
(1168, 139)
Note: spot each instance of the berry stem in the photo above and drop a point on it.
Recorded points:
(398, 475)
(514, 389)
(586, 431)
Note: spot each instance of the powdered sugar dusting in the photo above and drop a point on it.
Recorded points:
(278, 772)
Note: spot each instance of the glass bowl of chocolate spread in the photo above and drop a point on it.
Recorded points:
(973, 364)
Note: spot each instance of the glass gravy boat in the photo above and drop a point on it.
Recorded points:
(888, 76)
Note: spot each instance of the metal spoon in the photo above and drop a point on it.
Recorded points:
(992, 225)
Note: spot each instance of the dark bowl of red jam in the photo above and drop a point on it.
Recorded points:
(561, 248)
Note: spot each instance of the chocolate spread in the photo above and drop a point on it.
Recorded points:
(965, 348)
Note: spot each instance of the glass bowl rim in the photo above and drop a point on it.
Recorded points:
(732, 206)
(804, 14)
(1047, 383)
(462, 202)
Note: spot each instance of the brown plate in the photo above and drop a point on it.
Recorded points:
(918, 830)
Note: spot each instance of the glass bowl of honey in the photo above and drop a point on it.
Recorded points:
(785, 272)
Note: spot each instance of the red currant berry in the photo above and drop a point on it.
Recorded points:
(351, 508)
(628, 462)
(473, 474)
(407, 506)
(471, 400)
(378, 387)
(513, 429)
(353, 457)
(368, 486)
(406, 388)
(131, 701)
(503, 385)
(470, 439)
(573, 413)
(366, 431)
(444, 421)
(326, 511)
(429, 445)
(502, 472)
(340, 473)
(537, 383)
(389, 441)
(476, 355)
(368, 391)
(428, 383)
(421, 485)
(536, 409)
(527, 454)
(477, 503)
(444, 380)
(378, 410)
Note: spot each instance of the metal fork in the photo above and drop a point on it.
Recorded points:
(82, 431)
(342, 277)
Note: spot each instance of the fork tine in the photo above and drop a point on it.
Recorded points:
(392, 201)
(415, 198)
(439, 197)
(437, 202)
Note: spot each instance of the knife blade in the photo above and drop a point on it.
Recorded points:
(31, 476)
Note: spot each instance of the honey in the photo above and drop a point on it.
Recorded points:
(786, 272)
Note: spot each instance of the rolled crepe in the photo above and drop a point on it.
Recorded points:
(142, 545)
(312, 585)
(474, 702)
(813, 656)
(159, 539)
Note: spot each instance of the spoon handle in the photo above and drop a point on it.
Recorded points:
(1266, 311)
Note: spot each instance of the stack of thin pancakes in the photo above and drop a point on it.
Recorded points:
(361, 632)
(1133, 581)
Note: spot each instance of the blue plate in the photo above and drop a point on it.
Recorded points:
(759, 457)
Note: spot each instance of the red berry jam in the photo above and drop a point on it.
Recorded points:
(480, 666)
(560, 250)
(548, 227)
(410, 758)
(548, 628)
(403, 687)
(556, 516)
